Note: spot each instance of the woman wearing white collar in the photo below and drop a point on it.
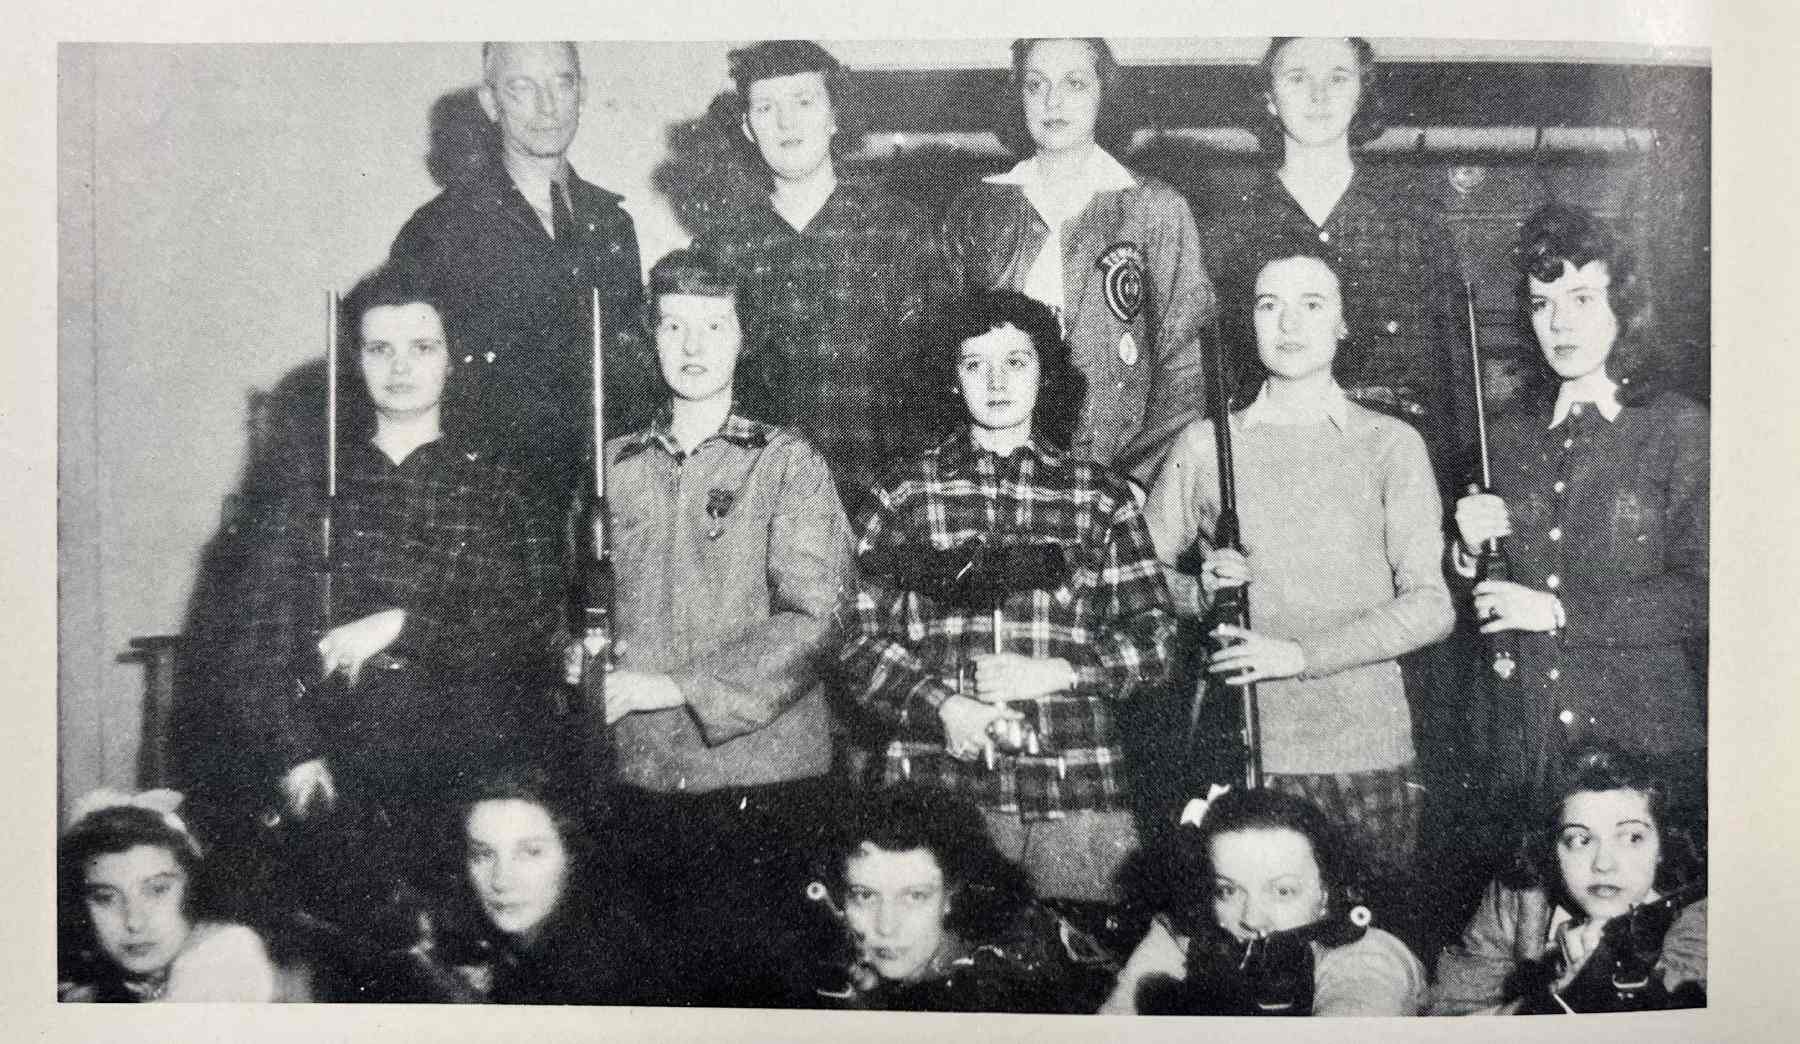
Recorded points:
(1115, 254)
(1601, 491)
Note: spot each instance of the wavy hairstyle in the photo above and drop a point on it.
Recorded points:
(985, 891)
(1596, 766)
(1114, 123)
(1342, 865)
(1247, 372)
(1365, 125)
(769, 59)
(1062, 386)
(1559, 234)
(111, 831)
(391, 285)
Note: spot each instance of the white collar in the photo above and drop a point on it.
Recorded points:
(1330, 402)
(534, 184)
(1596, 388)
(1101, 173)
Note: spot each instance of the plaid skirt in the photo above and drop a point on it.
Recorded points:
(1380, 808)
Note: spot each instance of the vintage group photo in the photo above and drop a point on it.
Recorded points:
(1176, 526)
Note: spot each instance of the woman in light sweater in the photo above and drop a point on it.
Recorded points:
(1342, 527)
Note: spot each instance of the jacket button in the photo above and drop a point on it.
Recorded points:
(1553, 581)
(1554, 674)
(1567, 717)
(1556, 532)
(1560, 486)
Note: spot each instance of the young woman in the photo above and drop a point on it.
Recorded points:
(1616, 836)
(1601, 489)
(1115, 255)
(551, 928)
(932, 918)
(1005, 583)
(1249, 865)
(1341, 519)
(1317, 102)
(132, 920)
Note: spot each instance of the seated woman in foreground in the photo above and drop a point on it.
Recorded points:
(130, 916)
(1267, 922)
(532, 922)
(931, 917)
(1606, 910)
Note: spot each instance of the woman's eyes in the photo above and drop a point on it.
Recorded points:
(104, 897)
(159, 889)
(1577, 839)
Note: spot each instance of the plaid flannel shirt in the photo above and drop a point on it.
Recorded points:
(444, 535)
(844, 300)
(1110, 619)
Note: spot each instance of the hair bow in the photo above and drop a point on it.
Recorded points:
(163, 801)
(1195, 811)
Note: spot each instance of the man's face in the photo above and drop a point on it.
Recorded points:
(697, 342)
(533, 91)
(1574, 320)
(1317, 83)
(1299, 317)
(405, 359)
(791, 121)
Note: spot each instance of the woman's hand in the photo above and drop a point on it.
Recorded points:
(347, 647)
(1502, 605)
(967, 723)
(629, 692)
(306, 785)
(1254, 657)
(1000, 677)
(1481, 517)
(1578, 943)
(1223, 568)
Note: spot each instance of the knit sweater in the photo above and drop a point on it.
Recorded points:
(1342, 527)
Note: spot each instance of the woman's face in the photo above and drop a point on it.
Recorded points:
(896, 904)
(1265, 880)
(997, 374)
(1316, 84)
(518, 864)
(1298, 316)
(1608, 846)
(405, 359)
(1060, 88)
(137, 901)
(1573, 319)
(791, 123)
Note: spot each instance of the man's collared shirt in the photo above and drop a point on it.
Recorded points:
(732, 559)
(1110, 619)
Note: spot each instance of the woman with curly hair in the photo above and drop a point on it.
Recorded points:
(1009, 604)
(936, 919)
(133, 923)
(1619, 835)
(1114, 254)
(1266, 919)
(1601, 489)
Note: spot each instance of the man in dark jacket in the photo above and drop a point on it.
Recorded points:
(516, 247)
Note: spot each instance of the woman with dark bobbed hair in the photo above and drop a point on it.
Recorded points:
(132, 918)
(1601, 489)
(1576, 924)
(1316, 102)
(936, 919)
(1267, 918)
(1008, 601)
(1113, 254)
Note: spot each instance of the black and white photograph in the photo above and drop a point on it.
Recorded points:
(1195, 524)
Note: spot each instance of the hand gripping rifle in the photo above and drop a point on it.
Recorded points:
(1224, 731)
(1621, 974)
(597, 586)
(1268, 974)
(1491, 562)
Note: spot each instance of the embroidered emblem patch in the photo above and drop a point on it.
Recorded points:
(1122, 274)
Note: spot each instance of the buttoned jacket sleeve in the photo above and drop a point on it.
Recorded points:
(1509, 927)
(742, 685)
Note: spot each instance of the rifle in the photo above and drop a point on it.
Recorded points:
(597, 584)
(1224, 734)
(1491, 562)
(1270, 974)
(1620, 975)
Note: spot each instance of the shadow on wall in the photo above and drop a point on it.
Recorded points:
(464, 142)
(711, 171)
